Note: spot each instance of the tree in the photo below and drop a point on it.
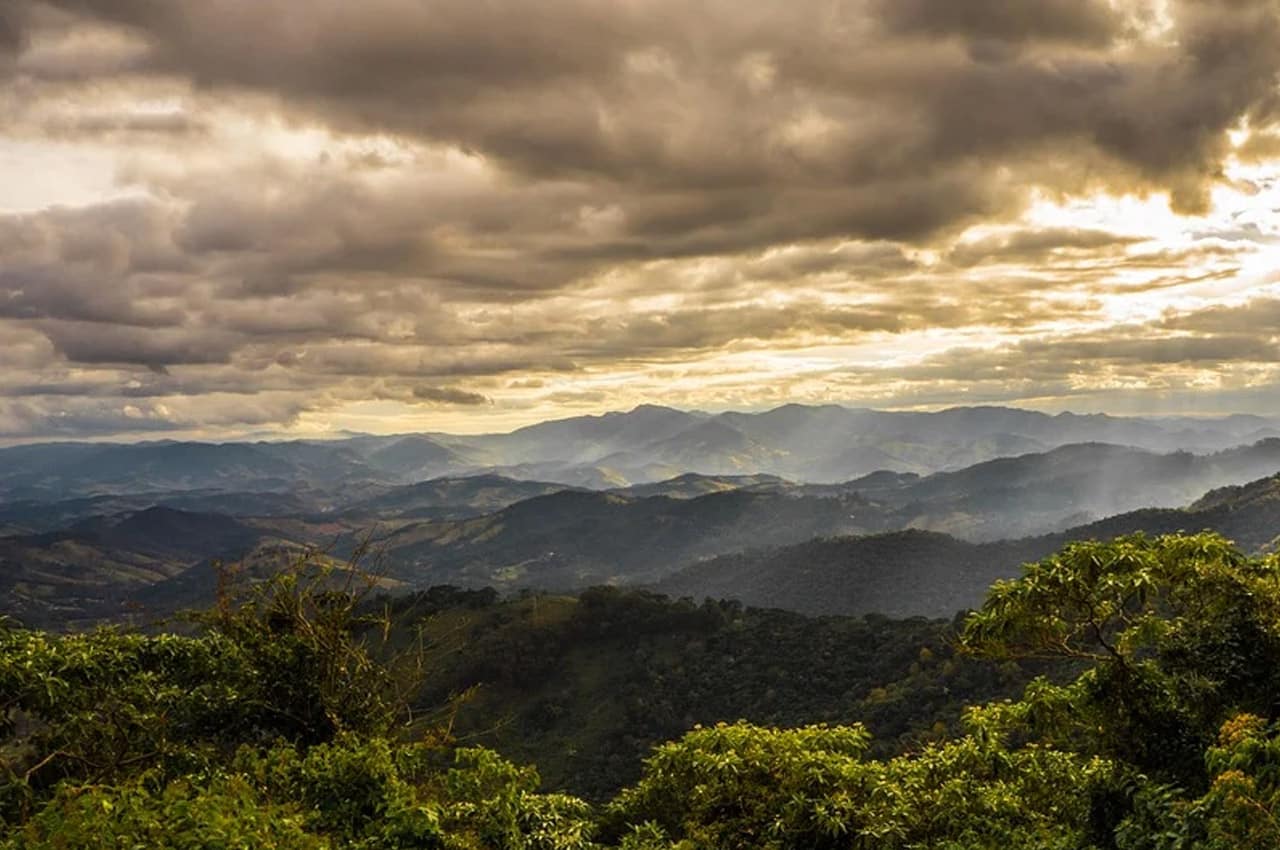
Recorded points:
(274, 726)
(289, 663)
(1177, 633)
(742, 786)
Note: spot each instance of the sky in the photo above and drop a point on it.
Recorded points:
(221, 217)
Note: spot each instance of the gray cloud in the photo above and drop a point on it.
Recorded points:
(1091, 22)
(1030, 246)
(154, 349)
(449, 395)
(860, 115)
(99, 125)
(12, 33)
(69, 417)
(400, 195)
(1259, 317)
(1129, 351)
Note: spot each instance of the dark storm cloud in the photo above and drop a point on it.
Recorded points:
(52, 293)
(12, 33)
(840, 112)
(286, 226)
(116, 238)
(95, 265)
(127, 295)
(449, 395)
(155, 349)
(328, 225)
(1086, 21)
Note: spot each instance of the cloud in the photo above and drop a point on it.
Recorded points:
(1258, 317)
(63, 416)
(103, 124)
(12, 34)
(1091, 22)
(1187, 348)
(449, 395)
(864, 116)
(562, 200)
(1023, 246)
(155, 349)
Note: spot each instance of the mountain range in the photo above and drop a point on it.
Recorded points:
(646, 445)
(817, 554)
(756, 510)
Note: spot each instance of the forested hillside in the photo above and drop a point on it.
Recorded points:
(903, 573)
(649, 444)
(573, 539)
(584, 686)
(275, 724)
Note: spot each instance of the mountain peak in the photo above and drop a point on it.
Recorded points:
(655, 408)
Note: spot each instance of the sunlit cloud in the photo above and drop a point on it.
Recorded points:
(403, 217)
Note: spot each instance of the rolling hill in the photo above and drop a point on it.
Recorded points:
(899, 574)
(572, 539)
(96, 568)
(1049, 491)
(448, 498)
(910, 573)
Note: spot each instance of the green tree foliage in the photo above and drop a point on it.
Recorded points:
(1241, 807)
(740, 786)
(585, 688)
(221, 812)
(274, 727)
(1179, 632)
(287, 664)
(354, 792)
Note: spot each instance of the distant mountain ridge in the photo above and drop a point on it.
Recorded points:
(574, 538)
(1070, 485)
(449, 498)
(921, 573)
(826, 444)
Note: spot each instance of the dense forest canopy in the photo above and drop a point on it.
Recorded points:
(291, 719)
